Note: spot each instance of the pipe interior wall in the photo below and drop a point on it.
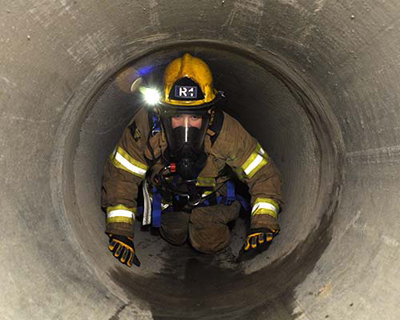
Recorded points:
(315, 82)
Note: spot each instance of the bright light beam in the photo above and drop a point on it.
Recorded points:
(151, 96)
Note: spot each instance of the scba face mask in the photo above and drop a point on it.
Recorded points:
(185, 132)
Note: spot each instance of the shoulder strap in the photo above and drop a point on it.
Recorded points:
(154, 123)
(155, 127)
(216, 125)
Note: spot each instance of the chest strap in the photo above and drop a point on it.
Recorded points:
(152, 214)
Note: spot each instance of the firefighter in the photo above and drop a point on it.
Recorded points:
(183, 152)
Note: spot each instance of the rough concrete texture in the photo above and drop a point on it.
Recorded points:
(315, 81)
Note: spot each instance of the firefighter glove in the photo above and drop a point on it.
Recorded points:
(257, 237)
(257, 241)
(123, 249)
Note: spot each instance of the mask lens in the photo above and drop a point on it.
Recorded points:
(185, 128)
(187, 138)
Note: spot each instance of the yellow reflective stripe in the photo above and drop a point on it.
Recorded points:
(206, 193)
(254, 162)
(265, 211)
(119, 219)
(205, 182)
(120, 207)
(120, 213)
(258, 163)
(252, 157)
(265, 206)
(122, 160)
(267, 200)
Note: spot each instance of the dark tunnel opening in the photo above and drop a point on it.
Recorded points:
(286, 115)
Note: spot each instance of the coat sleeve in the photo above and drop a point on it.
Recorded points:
(124, 170)
(253, 166)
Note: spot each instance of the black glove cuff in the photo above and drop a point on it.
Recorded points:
(123, 239)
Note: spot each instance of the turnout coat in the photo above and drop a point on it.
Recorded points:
(132, 161)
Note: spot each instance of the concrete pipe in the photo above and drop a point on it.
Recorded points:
(315, 81)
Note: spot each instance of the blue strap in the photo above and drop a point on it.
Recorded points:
(243, 202)
(156, 212)
(232, 196)
(156, 125)
(224, 200)
(230, 191)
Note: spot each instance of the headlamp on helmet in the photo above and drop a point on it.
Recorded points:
(151, 96)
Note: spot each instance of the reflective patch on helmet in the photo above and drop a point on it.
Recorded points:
(186, 89)
(188, 92)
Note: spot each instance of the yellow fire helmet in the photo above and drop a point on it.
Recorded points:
(188, 84)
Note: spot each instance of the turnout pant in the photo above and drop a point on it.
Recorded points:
(205, 227)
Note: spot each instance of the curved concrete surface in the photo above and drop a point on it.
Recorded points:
(315, 81)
